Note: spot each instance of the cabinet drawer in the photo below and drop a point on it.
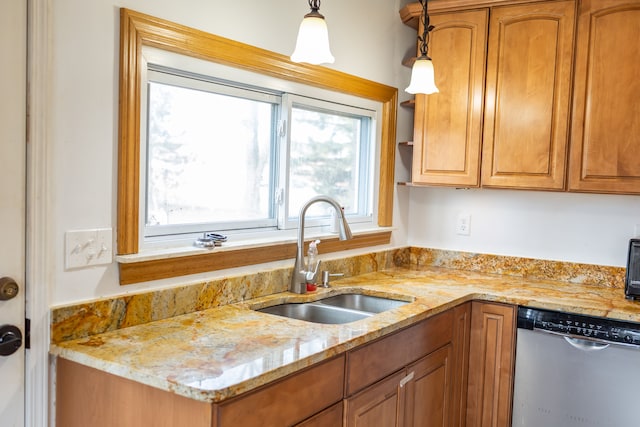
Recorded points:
(289, 401)
(380, 358)
(329, 417)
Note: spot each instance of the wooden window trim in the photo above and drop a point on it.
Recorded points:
(138, 30)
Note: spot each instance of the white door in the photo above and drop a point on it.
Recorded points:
(13, 53)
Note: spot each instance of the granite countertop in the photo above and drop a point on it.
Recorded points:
(218, 353)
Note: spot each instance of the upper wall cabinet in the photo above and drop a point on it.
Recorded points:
(504, 116)
(514, 118)
(448, 125)
(605, 136)
(527, 100)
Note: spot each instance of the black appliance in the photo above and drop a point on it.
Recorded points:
(632, 282)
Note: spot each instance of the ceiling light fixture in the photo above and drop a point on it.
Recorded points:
(312, 45)
(422, 75)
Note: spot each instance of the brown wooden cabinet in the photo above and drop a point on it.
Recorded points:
(416, 377)
(527, 100)
(460, 341)
(89, 397)
(286, 402)
(448, 125)
(514, 117)
(419, 395)
(428, 392)
(491, 364)
(377, 373)
(436, 393)
(380, 405)
(605, 136)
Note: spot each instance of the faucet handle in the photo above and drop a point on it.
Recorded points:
(326, 277)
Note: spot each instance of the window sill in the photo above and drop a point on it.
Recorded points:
(155, 265)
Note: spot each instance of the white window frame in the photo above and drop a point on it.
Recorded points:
(286, 219)
(154, 58)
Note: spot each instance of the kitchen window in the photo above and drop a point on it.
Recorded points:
(234, 158)
(139, 250)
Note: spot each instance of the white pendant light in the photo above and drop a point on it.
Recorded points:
(312, 45)
(422, 77)
(422, 73)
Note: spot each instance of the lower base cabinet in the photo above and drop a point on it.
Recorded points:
(89, 397)
(380, 405)
(428, 390)
(428, 399)
(454, 369)
(491, 364)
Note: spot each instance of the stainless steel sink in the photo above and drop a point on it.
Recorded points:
(316, 313)
(360, 302)
(336, 309)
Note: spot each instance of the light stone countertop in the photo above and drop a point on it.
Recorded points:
(218, 353)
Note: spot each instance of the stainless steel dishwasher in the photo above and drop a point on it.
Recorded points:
(573, 370)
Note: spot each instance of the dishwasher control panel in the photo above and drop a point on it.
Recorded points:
(581, 326)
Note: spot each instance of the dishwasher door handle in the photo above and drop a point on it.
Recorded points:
(585, 345)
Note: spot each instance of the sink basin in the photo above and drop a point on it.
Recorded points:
(367, 303)
(336, 309)
(316, 313)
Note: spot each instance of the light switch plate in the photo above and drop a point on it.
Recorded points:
(85, 248)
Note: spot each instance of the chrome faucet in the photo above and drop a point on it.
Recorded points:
(301, 274)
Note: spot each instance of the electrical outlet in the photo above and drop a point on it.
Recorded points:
(84, 248)
(463, 224)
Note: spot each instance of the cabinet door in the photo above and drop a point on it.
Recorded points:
(380, 405)
(90, 397)
(491, 365)
(428, 395)
(605, 137)
(437, 394)
(376, 360)
(448, 124)
(528, 86)
(460, 342)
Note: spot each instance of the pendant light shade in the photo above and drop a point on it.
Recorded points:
(422, 73)
(312, 45)
(422, 77)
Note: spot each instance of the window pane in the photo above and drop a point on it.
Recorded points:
(325, 159)
(208, 157)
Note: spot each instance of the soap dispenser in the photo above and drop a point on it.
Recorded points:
(312, 255)
(312, 265)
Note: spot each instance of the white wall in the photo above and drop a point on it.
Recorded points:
(586, 228)
(367, 38)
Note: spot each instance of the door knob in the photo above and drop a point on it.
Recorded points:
(8, 288)
(10, 339)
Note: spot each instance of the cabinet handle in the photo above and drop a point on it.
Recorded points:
(406, 379)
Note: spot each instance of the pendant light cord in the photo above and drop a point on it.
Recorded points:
(426, 28)
(314, 5)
